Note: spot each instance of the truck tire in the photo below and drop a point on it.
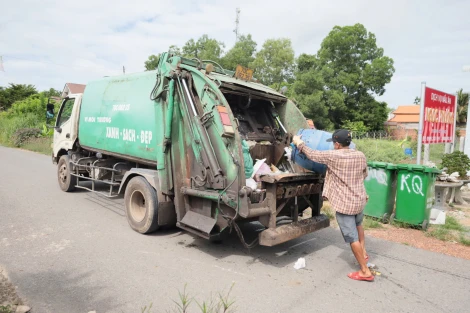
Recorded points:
(141, 205)
(67, 182)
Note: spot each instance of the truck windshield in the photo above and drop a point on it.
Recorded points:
(65, 112)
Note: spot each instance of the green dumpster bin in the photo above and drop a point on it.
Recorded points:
(381, 185)
(415, 194)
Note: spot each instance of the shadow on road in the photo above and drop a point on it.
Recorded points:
(69, 291)
(278, 256)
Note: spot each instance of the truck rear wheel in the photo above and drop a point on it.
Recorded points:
(141, 205)
(67, 182)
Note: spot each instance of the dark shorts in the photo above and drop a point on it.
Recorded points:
(348, 224)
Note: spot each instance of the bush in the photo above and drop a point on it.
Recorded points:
(456, 161)
(9, 125)
(22, 135)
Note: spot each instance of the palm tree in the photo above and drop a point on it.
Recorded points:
(462, 106)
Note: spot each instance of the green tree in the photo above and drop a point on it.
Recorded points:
(152, 62)
(174, 50)
(35, 104)
(13, 93)
(204, 48)
(52, 93)
(274, 63)
(462, 106)
(242, 53)
(354, 70)
(308, 92)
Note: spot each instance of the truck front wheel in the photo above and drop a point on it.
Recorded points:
(67, 181)
(141, 205)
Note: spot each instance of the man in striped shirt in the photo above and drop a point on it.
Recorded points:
(344, 189)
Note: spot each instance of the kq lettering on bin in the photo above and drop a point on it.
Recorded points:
(412, 183)
(379, 175)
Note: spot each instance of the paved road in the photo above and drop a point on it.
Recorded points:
(74, 252)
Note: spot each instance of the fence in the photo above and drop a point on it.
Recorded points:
(380, 135)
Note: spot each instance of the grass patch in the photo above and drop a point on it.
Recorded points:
(384, 150)
(41, 145)
(441, 233)
(328, 211)
(370, 223)
(8, 126)
(399, 224)
(464, 240)
(381, 150)
(5, 309)
(452, 230)
(453, 224)
(222, 303)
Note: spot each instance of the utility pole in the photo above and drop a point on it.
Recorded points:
(237, 22)
(123, 70)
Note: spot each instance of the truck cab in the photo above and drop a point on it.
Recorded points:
(66, 126)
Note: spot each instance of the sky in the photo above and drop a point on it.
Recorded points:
(49, 43)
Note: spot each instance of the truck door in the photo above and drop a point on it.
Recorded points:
(65, 130)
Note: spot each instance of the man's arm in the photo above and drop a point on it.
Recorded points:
(323, 157)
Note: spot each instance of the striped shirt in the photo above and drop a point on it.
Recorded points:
(344, 185)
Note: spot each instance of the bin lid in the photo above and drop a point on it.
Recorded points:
(418, 168)
(388, 166)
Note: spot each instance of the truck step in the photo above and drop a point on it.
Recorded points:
(197, 223)
(274, 236)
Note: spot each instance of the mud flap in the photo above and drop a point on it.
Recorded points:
(197, 223)
(274, 236)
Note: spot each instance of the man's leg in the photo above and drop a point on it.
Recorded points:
(360, 232)
(358, 253)
(349, 229)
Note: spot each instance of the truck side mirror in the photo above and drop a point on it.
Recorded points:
(49, 110)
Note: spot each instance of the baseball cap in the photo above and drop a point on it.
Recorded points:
(342, 136)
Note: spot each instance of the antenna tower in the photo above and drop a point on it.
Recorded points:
(237, 22)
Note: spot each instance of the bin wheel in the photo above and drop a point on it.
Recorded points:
(385, 218)
(425, 225)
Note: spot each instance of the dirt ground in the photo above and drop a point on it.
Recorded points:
(418, 238)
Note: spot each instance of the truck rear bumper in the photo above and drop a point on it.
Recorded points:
(274, 236)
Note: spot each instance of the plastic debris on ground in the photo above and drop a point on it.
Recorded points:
(437, 217)
(299, 264)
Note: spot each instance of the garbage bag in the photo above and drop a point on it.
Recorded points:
(247, 159)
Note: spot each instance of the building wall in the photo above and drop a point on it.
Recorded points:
(403, 130)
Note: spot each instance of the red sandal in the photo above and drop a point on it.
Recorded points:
(356, 276)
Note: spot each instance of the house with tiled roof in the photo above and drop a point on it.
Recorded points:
(404, 121)
(71, 88)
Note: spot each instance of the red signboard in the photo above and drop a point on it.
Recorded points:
(439, 116)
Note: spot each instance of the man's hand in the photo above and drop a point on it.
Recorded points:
(296, 140)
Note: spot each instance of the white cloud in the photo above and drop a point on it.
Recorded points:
(80, 41)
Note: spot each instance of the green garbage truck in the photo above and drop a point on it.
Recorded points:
(173, 142)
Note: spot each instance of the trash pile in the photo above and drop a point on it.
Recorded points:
(259, 169)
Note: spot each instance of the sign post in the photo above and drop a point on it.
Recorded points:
(437, 118)
(454, 141)
(420, 127)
